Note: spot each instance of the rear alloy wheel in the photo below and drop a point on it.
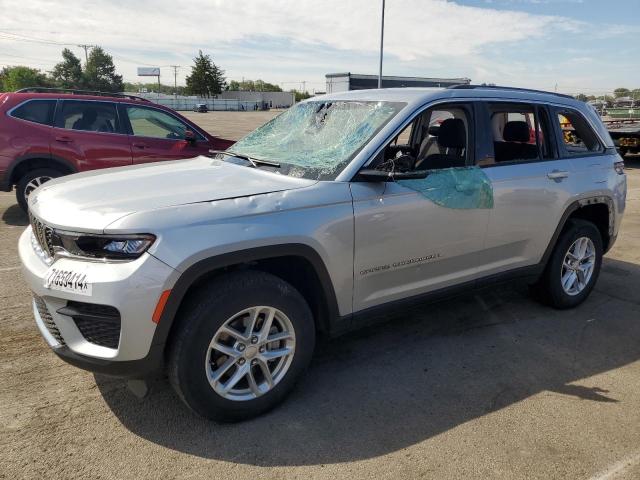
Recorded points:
(573, 268)
(241, 342)
(578, 266)
(31, 181)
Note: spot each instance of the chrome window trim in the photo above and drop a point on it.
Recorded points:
(417, 111)
(193, 127)
(351, 170)
(63, 100)
(9, 112)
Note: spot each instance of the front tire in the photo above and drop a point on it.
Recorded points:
(574, 266)
(242, 342)
(32, 180)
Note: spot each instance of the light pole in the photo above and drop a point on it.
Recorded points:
(381, 46)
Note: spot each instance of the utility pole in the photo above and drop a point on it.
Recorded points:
(86, 50)
(175, 81)
(304, 86)
(381, 46)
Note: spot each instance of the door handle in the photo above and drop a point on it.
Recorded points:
(557, 175)
(64, 139)
(140, 145)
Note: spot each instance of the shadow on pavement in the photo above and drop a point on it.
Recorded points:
(427, 370)
(15, 216)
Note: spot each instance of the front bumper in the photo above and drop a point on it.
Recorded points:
(133, 288)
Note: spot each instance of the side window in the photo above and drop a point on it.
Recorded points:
(445, 139)
(437, 138)
(404, 137)
(519, 132)
(148, 122)
(577, 136)
(37, 111)
(88, 116)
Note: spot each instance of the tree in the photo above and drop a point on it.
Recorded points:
(251, 86)
(621, 92)
(100, 72)
(300, 95)
(153, 87)
(68, 73)
(582, 97)
(15, 78)
(206, 77)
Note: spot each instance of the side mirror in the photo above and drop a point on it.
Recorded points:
(372, 175)
(190, 136)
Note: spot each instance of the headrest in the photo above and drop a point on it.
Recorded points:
(452, 133)
(434, 130)
(516, 131)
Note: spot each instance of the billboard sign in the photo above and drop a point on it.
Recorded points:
(148, 71)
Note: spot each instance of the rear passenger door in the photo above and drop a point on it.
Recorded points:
(531, 183)
(89, 134)
(156, 135)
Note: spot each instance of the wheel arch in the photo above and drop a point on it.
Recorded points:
(592, 209)
(26, 163)
(288, 261)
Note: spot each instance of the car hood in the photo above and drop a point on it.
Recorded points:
(90, 201)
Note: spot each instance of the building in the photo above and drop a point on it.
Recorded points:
(341, 82)
(262, 99)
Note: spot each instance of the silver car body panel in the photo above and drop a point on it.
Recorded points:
(90, 201)
(379, 242)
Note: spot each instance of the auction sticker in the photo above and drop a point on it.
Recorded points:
(64, 280)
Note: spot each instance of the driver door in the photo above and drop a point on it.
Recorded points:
(417, 236)
(155, 135)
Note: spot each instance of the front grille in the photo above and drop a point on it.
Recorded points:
(43, 234)
(43, 311)
(98, 324)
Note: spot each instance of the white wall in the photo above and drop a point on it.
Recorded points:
(273, 99)
(337, 84)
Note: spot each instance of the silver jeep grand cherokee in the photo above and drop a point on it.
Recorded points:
(221, 271)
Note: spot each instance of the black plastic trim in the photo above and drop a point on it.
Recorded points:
(209, 265)
(377, 313)
(602, 199)
(8, 182)
(146, 367)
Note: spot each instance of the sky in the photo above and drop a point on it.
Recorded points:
(572, 46)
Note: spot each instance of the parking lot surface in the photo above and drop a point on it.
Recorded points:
(492, 385)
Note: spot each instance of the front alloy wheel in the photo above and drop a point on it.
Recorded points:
(242, 341)
(250, 353)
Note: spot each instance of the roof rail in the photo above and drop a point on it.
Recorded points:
(73, 91)
(464, 86)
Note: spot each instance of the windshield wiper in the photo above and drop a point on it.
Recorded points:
(253, 161)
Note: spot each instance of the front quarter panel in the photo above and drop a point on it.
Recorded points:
(319, 216)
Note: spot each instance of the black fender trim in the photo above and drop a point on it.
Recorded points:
(195, 272)
(602, 199)
(34, 156)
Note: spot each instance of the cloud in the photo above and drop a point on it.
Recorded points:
(414, 28)
(288, 40)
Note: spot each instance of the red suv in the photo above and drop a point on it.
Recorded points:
(48, 133)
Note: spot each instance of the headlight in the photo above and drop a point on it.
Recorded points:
(108, 247)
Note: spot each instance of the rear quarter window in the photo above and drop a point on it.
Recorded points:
(576, 135)
(36, 111)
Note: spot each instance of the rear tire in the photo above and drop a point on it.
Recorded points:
(573, 268)
(30, 181)
(228, 304)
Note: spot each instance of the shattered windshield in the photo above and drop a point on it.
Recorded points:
(317, 140)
